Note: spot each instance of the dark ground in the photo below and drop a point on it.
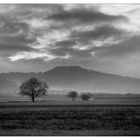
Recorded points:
(66, 120)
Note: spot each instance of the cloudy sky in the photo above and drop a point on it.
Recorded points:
(104, 37)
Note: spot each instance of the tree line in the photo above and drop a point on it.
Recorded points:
(74, 95)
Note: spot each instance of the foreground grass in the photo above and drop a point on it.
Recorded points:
(72, 120)
(70, 133)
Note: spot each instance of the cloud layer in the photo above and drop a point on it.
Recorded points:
(99, 36)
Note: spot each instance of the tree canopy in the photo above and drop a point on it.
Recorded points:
(33, 88)
(85, 96)
(73, 95)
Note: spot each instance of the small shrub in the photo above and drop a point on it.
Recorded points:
(73, 95)
(85, 96)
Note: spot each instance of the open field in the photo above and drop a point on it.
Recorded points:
(67, 101)
(50, 118)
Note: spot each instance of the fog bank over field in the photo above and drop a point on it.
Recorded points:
(64, 78)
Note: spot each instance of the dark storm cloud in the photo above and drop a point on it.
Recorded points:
(15, 24)
(12, 25)
(66, 46)
(98, 33)
(84, 15)
(72, 52)
(30, 11)
(13, 35)
(128, 47)
(84, 38)
(14, 47)
(15, 39)
(11, 44)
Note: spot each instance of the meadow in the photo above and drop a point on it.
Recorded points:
(70, 118)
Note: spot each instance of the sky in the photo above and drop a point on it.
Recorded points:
(103, 37)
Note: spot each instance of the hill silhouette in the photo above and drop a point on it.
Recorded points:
(63, 78)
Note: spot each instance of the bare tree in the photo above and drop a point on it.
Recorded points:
(85, 96)
(33, 88)
(73, 95)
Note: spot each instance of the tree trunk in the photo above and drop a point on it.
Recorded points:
(33, 99)
(73, 99)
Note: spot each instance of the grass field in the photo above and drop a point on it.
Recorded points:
(50, 118)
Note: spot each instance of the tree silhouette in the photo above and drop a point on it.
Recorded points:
(33, 88)
(73, 95)
(85, 96)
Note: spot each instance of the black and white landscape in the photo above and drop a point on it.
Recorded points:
(69, 69)
(72, 78)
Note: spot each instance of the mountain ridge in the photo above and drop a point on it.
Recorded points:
(72, 78)
(59, 67)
